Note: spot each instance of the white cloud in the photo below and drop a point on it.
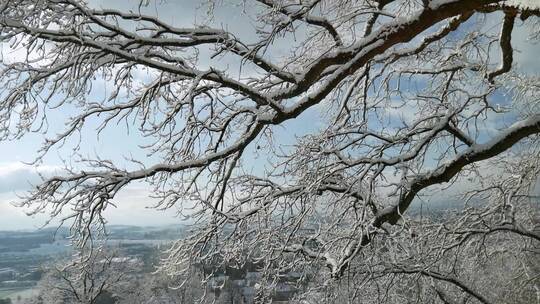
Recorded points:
(134, 207)
(15, 218)
(16, 51)
(133, 204)
(15, 176)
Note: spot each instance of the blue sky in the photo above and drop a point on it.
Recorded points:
(116, 143)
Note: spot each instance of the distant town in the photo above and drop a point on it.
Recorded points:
(26, 256)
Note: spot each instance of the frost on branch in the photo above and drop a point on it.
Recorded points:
(412, 95)
(524, 4)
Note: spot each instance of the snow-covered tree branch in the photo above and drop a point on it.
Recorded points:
(412, 96)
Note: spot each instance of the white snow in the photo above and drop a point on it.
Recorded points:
(524, 4)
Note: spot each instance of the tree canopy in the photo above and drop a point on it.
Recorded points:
(309, 142)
